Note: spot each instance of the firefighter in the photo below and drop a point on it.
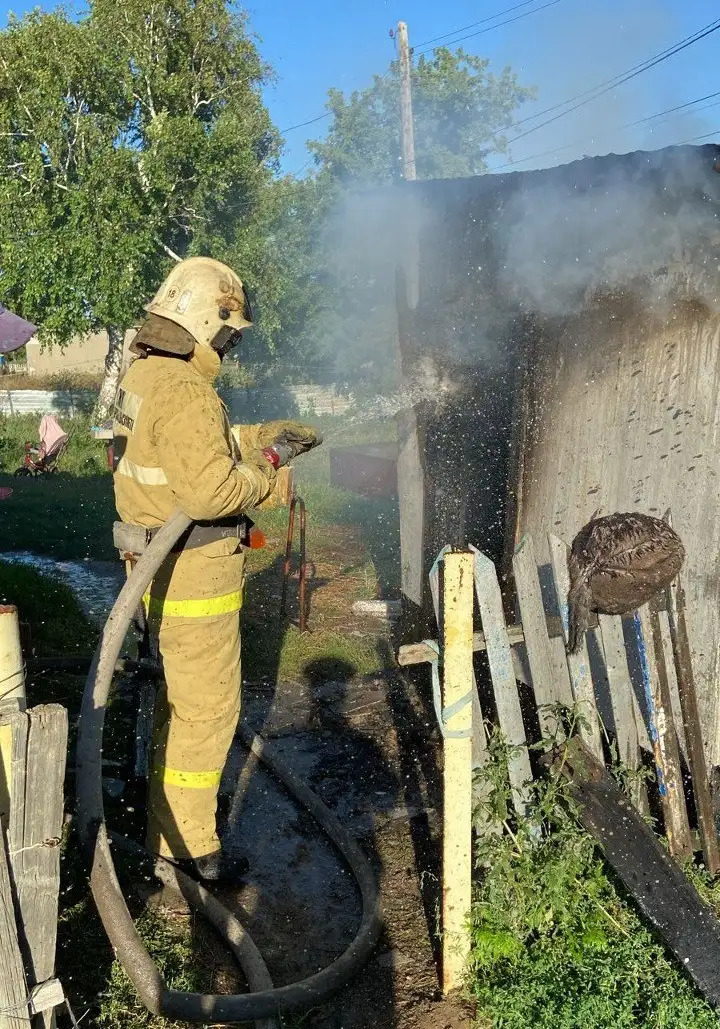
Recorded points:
(173, 447)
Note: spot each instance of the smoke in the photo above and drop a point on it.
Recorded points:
(495, 249)
(577, 47)
(650, 226)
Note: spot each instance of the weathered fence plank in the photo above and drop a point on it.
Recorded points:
(36, 863)
(419, 653)
(691, 720)
(14, 1011)
(507, 700)
(458, 682)
(532, 616)
(662, 733)
(578, 664)
(629, 725)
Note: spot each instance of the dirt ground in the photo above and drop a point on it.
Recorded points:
(366, 750)
(368, 747)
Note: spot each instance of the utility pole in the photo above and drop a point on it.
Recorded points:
(406, 116)
(410, 464)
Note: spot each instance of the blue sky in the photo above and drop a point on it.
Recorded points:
(571, 46)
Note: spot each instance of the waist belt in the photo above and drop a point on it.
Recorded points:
(134, 539)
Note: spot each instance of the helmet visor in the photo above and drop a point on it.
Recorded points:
(226, 339)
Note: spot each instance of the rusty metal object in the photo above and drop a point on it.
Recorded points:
(296, 501)
(660, 889)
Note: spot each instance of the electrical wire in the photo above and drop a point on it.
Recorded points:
(624, 76)
(302, 124)
(473, 25)
(480, 32)
(627, 78)
(419, 52)
(617, 128)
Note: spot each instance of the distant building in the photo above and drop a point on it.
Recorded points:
(85, 355)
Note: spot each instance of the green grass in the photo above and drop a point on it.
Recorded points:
(269, 654)
(83, 457)
(65, 517)
(556, 943)
(56, 620)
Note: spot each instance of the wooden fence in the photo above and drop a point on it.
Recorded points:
(631, 683)
(33, 748)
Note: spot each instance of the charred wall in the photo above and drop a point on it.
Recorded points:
(610, 319)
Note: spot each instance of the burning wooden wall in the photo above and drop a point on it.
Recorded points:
(625, 415)
(613, 403)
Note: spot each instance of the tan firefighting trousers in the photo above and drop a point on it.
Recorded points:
(193, 606)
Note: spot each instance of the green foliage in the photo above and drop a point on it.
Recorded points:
(171, 947)
(460, 113)
(130, 130)
(349, 241)
(84, 455)
(56, 620)
(555, 942)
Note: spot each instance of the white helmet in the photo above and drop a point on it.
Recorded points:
(206, 299)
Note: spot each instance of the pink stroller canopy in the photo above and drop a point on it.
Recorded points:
(51, 433)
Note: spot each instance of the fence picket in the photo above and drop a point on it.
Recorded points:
(507, 700)
(578, 664)
(537, 643)
(662, 733)
(14, 1011)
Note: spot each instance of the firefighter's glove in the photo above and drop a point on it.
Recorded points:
(284, 440)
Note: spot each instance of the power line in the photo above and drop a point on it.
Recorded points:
(483, 21)
(709, 29)
(302, 124)
(480, 32)
(419, 52)
(617, 128)
(643, 65)
(327, 114)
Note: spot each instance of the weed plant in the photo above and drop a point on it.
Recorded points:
(556, 942)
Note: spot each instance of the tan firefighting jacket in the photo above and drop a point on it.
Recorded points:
(174, 447)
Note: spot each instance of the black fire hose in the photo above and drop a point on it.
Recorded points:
(127, 944)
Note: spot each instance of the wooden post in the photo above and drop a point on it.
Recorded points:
(406, 115)
(479, 742)
(532, 615)
(14, 1011)
(12, 665)
(457, 777)
(507, 700)
(662, 735)
(36, 857)
(578, 664)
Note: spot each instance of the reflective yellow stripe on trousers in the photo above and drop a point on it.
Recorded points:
(158, 607)
(190, 780)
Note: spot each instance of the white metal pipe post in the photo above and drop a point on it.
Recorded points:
(458, 684)
(12, 665)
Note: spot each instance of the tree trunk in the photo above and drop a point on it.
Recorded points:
(113, 368)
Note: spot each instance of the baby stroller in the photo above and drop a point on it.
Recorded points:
(43, 459)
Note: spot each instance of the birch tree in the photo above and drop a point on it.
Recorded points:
(129, 138)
